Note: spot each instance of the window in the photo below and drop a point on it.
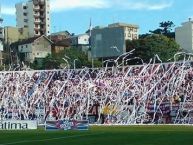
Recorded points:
(25, 14)
(26, 46)
(37, 53)
(25, 20)
(24, 7)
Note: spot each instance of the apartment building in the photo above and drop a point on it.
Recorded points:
(110, 41)
(1, 41)
(184, 36)
(130, 30)
(34, 15)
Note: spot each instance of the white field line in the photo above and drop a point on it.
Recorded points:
(49, 139)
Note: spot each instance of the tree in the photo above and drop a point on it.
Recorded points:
(67, 58)
(146, 48)
(165, 28)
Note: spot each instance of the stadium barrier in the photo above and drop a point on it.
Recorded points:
(18, 125)
(146, 94)
(67, 125)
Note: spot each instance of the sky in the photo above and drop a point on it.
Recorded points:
(75, 15)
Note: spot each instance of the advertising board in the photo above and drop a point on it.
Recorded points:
(18, 125)
(67, 125)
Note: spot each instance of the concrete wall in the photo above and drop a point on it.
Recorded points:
(47, 19)
(31, 24)
(13, 34)
(25, 48)
(19, 15)
(107, 42)
(184, 36)
(41, 48)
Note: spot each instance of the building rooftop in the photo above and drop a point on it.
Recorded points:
(66, 33)
(117, 25)
(79, 35)
(122, 25)
(29, 40)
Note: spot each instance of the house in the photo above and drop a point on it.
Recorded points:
(33, 48)
(59, 36)
(80, 41)
(59, 46)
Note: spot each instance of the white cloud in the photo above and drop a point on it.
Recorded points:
(146, 5)
(61, 5)
(8, 10)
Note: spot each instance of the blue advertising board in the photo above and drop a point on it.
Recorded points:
(67, 125)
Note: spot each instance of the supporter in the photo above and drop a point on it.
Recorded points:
(137, 93)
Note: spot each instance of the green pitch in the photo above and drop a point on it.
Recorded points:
(117, 135)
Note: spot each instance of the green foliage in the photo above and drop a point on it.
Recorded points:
(68, 58)
(1, 67)
(6, 58)
(104, 135)
(146, 48)
(165, 28)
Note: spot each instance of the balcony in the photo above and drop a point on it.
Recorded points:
(42, 9)
(37, 15)
(42, 16)
(43, 29)
(36, 2)
(37, 21)
(1, 36)
(42, 23)
(42, 2)
(36, 8)
(37, 28)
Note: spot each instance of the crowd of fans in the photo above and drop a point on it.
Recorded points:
(149, 93)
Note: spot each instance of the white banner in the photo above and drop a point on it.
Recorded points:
(18, 124)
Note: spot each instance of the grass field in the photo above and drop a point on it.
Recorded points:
(101, 135)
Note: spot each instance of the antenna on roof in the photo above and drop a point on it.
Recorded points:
(90, 27)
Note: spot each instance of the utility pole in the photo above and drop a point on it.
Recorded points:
(90, 32)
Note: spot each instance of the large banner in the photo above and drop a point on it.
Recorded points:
(67, 125)
(17, 125)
